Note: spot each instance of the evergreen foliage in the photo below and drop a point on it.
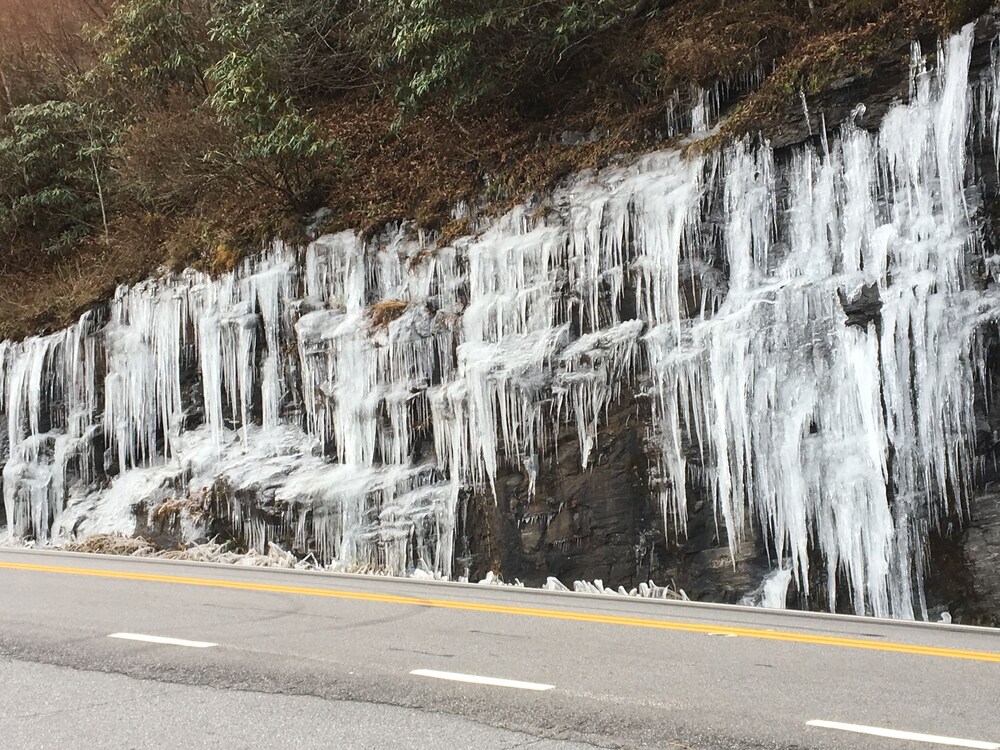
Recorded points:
(469, 49)
(274, 143)
(53, 173)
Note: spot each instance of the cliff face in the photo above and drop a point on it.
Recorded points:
(700, 367)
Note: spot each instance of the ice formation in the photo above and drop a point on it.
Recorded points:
(772, 592)
(359, 388)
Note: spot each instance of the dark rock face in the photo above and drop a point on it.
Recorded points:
(597, 522)
(863, 308)
(4, 451)
(980, 548)
(603, 522)
(968, 572)
(702, 564)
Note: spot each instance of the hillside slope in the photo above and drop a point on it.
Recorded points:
(137, 134)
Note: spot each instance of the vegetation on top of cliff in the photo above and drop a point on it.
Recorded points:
(137, 133)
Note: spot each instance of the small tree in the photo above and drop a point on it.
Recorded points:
(53, 173)
(149, 48)
(468, 49)
(274, 143)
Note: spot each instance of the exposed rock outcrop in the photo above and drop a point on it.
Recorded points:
(692, 369)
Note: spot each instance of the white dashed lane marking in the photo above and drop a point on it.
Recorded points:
(895, 734)
(477, 680)
(162, 641)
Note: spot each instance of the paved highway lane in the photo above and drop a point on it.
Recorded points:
(60, 707)
(272, 654)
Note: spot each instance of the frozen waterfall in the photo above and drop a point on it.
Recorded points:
(358, 389)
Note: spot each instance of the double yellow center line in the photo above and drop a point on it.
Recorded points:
(550, 614)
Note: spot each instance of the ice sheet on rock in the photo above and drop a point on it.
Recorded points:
(48, 397)
(772, 592)
(590, 375)
(799, 414)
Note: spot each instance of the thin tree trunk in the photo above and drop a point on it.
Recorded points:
(100, 195)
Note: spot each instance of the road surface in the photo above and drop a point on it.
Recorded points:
(120, 652)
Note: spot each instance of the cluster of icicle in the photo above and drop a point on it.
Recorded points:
(357, 389)
(645, 589)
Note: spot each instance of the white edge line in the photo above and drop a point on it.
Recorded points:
(476, 679)
(162, 640)
(898, 735)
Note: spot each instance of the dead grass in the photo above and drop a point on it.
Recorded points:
(818, 59)
(50, 294)
(41, 293)
(113, 544)
(385, 312)
(170, 511)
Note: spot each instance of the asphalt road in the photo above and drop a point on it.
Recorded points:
(271, 658)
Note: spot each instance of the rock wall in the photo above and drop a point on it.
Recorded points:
(699, 367)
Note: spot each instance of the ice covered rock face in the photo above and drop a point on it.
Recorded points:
(359, 389)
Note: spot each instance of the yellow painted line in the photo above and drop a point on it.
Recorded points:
(551, 614)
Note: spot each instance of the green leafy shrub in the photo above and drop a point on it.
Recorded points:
(53, 173)
(149, 48)
(274, 144)
(470, 49)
